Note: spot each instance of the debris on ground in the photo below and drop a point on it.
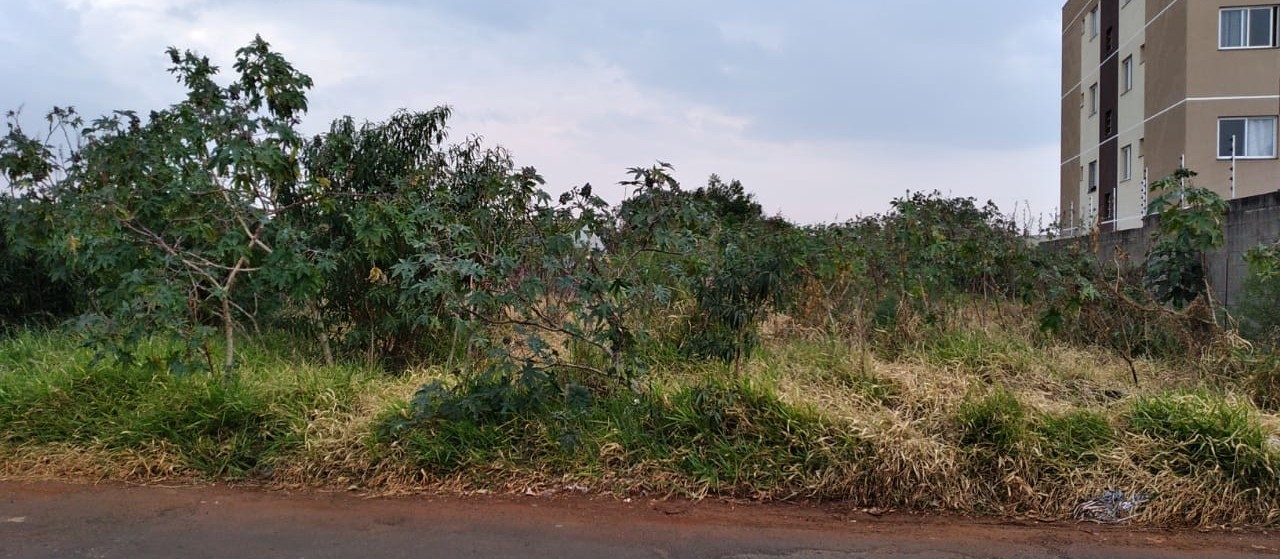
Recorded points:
(1113, 507)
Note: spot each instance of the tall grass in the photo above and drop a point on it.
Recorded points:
(992, 423)
(53, 392)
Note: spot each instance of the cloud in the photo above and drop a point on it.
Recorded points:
(584, 92)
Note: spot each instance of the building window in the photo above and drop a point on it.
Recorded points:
(1093, 176)
(1250, 138)
(1109, 206)
(1107, 121)
(1126, 162)
(1093, 99)
(1093, 23)
(1247, 28)
(1126, 74)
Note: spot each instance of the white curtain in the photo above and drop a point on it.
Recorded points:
(1260, 137)
(1232, 33)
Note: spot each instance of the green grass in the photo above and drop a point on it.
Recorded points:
(721, 435)
(979, 353)
(994, 422)
(1201, 432)
(51, 391)
(834, 363)
(804, 419)
(1075, 438)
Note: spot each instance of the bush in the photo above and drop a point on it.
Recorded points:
(725, 436)
(1258, 308)
(29, 294)
(1192, 223)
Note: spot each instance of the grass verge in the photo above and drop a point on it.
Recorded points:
(823, 419)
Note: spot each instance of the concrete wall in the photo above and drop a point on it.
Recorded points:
(1250, 222)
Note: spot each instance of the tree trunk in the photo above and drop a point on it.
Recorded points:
(229, 332)
(325, 349)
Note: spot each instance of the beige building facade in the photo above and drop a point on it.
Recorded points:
(1151, 85)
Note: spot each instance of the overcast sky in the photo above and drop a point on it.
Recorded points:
(826, 109)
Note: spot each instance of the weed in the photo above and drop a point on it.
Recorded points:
(1075, 437)
(994, 423)
(218, 427)
(1263, 378)
(979, 353)
(1199, 432)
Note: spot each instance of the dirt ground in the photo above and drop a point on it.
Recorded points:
(53, 519)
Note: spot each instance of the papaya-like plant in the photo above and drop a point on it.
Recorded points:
(174, 211)
(1192, 222)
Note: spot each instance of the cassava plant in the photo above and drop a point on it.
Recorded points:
(172, 213)
(1192, 223)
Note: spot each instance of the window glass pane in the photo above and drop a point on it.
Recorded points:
(1260, 27)
(1226, 129)
(1262, 138)
(1126, 162)
(1232, 28)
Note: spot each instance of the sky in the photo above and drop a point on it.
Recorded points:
(825, 109)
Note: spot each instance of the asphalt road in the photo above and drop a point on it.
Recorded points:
(47, 519)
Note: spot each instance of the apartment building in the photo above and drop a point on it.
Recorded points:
(1149, 85)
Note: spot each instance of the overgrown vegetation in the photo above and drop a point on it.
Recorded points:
(380, 307)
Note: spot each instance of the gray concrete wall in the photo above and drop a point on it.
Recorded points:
(1251, 221)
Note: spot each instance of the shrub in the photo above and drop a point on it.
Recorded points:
(725, 436)
(29, 292)
(1191, 223)
(1258, 307)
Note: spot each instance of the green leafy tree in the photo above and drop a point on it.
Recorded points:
(172, 214)
(32, 289)
(1192, 222)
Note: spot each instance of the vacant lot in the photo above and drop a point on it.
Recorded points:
(204, 294)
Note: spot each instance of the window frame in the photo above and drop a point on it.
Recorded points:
(1093, 100)
(1127, 74)
(1126, 163)
(1094, 24)
(1248, 17)
(1275, 137)
(1092, 176)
